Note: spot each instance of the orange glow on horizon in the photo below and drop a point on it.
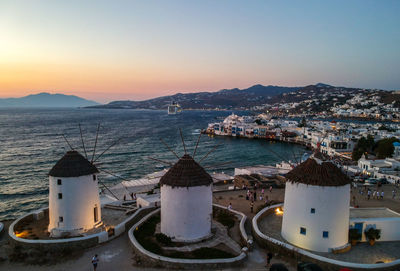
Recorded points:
(104, 84)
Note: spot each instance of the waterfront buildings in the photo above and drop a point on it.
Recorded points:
(333, 138)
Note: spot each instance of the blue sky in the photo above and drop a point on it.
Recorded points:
(108, 50)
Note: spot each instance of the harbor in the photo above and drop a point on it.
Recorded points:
(242, 190)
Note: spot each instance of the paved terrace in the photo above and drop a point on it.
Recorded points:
(271, 226)
(37, 229)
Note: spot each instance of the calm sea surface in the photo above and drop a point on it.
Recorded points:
(32, 142)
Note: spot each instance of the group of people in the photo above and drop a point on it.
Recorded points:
(133, 196)
(375, 194)
(252, 196)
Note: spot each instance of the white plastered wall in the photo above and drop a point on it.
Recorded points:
(80, 195)
(186, 212)
(331, 204)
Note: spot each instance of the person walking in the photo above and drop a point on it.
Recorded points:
(269, 258)
(230, 206)
(251, 207)
(95, 261)
(270, 188)
(369, 194)
(382, 194)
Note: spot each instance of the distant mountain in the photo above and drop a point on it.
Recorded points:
(47, 100)
(223, 99)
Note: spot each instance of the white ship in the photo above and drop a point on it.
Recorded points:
(174, 108)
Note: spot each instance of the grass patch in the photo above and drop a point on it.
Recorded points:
(154, 242)
(145, 235)
(224, 217)
(163, 239)
(201, 253)
(211, 253)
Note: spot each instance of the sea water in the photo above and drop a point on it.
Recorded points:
(32, 142)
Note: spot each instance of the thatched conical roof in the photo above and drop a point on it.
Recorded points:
(315, 171)
(73, 164)
(186, 173)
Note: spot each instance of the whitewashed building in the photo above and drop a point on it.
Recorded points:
(186, 201)
(316, 206)
(74, 204)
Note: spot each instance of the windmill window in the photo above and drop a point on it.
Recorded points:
(94, 177)
(313, 210)
(303, 230)
(60, 219)
(59, 182)
(59, 195)
(325, 234)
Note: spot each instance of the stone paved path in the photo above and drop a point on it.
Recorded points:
(118, 255)
(271, 226)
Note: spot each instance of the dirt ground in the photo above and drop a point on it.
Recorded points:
(238, 199)
(387, 201)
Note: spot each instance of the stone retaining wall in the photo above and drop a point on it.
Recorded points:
(287, 250)
(42, 249)
(152, 259)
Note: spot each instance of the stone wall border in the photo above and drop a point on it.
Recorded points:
(91, 240)
(245, 238)
(176, 263)
(304, 255)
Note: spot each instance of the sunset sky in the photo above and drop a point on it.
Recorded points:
(112, 50)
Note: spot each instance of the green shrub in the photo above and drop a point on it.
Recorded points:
(372, 234)
(354, 234)
(150, 245)
(145, 232)
(164, 239)
(149, 227)
(150, 192)
(225, 218)
(211, 253)
(178, 255)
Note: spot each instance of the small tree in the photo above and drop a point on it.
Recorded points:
(384, 147)
(372, 234)
(354, 236)
(363, 145)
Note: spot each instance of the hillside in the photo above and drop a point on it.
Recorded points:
(223, 99)
(47, 100)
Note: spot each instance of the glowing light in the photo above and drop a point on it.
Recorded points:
(21, 234)
(278, 211)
